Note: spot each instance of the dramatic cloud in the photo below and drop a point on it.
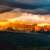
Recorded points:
(38, 6)
(32, 2)
(4, 8)
(35, 2)
(35, 11)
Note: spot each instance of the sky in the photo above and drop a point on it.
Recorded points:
(34, 2)
(35, 5)
(45, 5)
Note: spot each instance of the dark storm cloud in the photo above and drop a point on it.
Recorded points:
(4, 8)
(36, 6)
(43, 6)
(34, 2)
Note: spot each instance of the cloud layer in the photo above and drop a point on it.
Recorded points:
(34, 2)
(36, 6)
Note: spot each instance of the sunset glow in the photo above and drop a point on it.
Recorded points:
(25, 22)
